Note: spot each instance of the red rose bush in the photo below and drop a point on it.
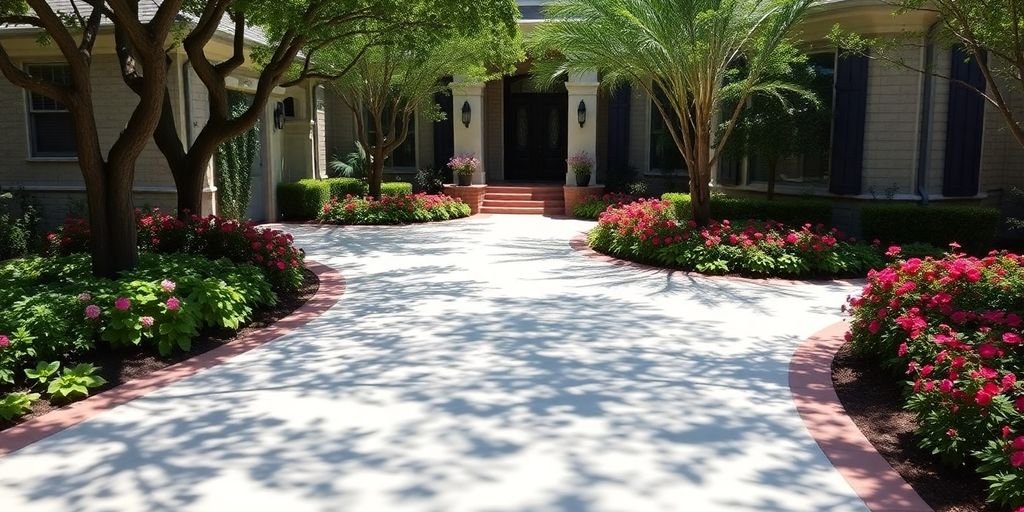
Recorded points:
(952, 328)
(647, 231)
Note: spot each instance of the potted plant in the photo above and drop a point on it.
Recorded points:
(581, 165)
(464, 166)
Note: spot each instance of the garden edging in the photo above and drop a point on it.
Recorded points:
(331, 288)
(850, 452)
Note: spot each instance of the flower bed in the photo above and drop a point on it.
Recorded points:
(54, 312)
(213, 237)
(593, 207)
(404, 209)
(647, 231)
(952, 328)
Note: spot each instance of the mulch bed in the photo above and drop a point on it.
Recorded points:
(873, 399)
(125, 364)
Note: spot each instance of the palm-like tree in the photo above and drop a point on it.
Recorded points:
(686, 54)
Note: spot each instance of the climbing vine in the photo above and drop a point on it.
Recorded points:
(234, 164)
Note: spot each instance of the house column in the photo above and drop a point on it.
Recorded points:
(469, 138)
(582, 88)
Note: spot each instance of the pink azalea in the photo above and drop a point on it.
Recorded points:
(946, 386)
(1017, 459)
(146, 321)
(173, 304)
(84, 297)
(123, 304)
(989, 351)
(1011, 338)
(4, 341)
(168, 285)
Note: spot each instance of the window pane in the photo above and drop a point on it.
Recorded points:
(52, 134)
(57, 73)
(404, 155)
(665, 155)
(819, 137)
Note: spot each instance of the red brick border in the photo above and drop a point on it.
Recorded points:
(580, 245)
(867, 472)
(332, 287)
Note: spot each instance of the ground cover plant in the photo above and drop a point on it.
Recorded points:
(648, 231)
(54, 312)
(403, 209)
(952, 329)
(593, 207)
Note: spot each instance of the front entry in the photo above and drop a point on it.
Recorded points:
(536, 142)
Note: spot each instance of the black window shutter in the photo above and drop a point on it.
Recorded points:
(618, 129)
(729, 171)
(848, 119)
(964, 127)
(444, 131)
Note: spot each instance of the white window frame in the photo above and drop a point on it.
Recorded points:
(30, 112)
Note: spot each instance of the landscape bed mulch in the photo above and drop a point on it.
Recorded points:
(874, 400)
(119, 366)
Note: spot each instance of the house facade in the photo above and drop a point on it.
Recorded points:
(894, 133)
(37, 153)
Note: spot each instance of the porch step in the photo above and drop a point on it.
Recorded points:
(524, 200)
(507, 203)
(541, 210)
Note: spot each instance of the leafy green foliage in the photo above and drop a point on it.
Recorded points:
(786, 211)
(75, 383)
(18, 225)
(43, 372)
(355, 164)
(593, 207)
(303, 199)
(15, 405)
(395, 188)
(974, 228)
(430, 180)
(234, 162)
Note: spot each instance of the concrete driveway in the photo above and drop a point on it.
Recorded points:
(477, 365)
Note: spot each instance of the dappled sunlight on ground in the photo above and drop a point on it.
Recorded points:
(474, 365)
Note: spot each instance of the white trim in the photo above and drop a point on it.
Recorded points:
(51, 159)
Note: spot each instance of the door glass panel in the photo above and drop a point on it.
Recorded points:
(522, 130)
(553, 131)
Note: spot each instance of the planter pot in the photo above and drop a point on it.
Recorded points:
(465, 180)
(583, 180)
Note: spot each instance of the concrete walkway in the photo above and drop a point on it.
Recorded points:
(477, 365)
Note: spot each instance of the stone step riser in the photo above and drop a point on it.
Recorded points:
(526, 204)
(521, 211)
(524, 197)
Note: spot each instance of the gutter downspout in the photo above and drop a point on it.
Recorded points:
(925, 130)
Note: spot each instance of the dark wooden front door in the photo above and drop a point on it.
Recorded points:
(535, 135)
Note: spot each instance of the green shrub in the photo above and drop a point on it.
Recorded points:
(791, 211)
(341, 187)
(974, 228)
(593, 207)
(303, 199)
(396, 188)
(17, 228)
(404, 209)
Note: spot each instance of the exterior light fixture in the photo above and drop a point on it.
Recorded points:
(581, 113)
(467, 114)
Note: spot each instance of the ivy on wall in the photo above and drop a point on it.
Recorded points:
(234, 164)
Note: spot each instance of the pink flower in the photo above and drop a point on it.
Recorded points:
(146, 321)
(4, 341)
(989, 351)
(894, 250)
(982, 398)
(1017, 459)
(92, 311)
(902, 351)
(946, 386)
(84, 297)
(168, 285)
(1011, 338)
(173, 304)
(122, 304)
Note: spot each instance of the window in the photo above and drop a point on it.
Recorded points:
(404, 155)
(813, 128)
(49, 122)
(665, 155)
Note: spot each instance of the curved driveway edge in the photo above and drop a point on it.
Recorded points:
(867, 472)
(330, 290)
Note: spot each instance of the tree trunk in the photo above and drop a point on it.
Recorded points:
(191, 176)
(113, 236)
(376, 177)
(700, 187)
(773, 166)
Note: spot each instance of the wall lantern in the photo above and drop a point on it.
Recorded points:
(581, 113)
(467, 114)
